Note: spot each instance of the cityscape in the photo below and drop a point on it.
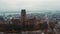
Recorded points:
(29, 16)
(44, 23)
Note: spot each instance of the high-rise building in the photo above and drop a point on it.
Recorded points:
(23, 15)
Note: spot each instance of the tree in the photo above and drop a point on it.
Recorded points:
(43, 26)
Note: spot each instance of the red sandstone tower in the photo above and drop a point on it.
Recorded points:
(23, 15)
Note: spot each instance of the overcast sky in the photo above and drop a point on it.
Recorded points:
(13, 5)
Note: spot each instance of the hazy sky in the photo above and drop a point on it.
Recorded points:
(13, 5)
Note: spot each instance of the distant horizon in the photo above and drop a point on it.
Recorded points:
(28, 12)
